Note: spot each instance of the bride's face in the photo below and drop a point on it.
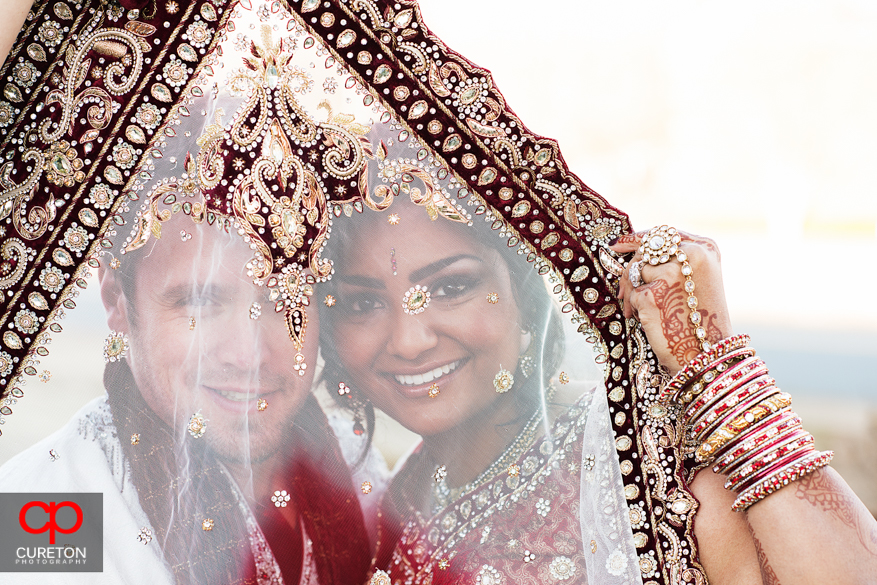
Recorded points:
(459, 342)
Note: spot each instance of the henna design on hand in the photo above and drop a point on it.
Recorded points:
(671, 301)
(713, 332)
(821, 490)
(635, 238)
(705, 242)
(768, 575)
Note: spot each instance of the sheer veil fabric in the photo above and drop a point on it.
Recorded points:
(257, 183)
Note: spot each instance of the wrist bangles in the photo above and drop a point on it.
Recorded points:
(740, 423)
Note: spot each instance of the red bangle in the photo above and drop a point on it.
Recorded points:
(759, 440)
(702, 362)
(785, 477)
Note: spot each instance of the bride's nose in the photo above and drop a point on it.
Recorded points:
(410, 336)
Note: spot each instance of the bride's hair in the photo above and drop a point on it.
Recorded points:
(539, 316)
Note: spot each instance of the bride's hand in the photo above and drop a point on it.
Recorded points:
(661, 302)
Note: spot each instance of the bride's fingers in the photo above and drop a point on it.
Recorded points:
(627, 243)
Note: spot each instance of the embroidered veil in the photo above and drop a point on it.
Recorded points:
(322, 153)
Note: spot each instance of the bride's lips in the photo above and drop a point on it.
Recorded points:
(415, 384)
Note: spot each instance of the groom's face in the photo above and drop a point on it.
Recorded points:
(195, 346)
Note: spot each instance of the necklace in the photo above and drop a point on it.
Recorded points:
(443, 495)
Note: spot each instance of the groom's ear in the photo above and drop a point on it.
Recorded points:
(113, 297)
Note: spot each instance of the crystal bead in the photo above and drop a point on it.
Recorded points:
(656, 242)
(692, 302)
(689, 286)
(700, 332)
(695, 317)
(272, 76)
(686, 270)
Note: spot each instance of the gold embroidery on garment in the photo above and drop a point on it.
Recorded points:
(112, 42)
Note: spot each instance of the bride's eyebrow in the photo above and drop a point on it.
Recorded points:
(430, 269)
(363, 281)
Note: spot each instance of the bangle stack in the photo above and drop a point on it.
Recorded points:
(741, 423)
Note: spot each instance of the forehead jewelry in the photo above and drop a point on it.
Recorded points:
(393, 259)
(661, 243)
(416, 299)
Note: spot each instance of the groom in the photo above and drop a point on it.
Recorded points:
(209, 448)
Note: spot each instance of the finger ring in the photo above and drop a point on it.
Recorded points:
(634, 271)
(660, 244)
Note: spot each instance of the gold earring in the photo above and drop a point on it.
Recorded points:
(503, 381)
(115, 346)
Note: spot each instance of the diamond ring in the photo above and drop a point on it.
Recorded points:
(634, 271)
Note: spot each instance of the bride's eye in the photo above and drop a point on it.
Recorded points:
(362, 303)
(454, 287)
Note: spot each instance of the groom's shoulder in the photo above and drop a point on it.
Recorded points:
(70, 459)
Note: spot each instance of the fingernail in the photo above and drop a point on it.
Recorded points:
(613, 241)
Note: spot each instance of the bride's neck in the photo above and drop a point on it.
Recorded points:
(471, 447)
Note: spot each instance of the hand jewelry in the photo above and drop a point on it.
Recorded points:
(658, 246)
(634, 271)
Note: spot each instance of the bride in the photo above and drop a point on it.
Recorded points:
(436, 322)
